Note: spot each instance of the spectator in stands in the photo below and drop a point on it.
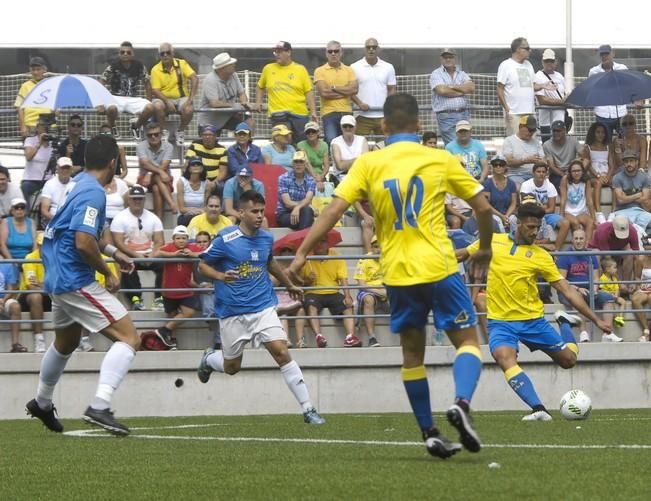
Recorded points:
(501, 191)
(138, 233)
(609, 116)
(316, 150)
(38, 155)
(547, 97)
(632, 190)
(450, 85)
(206, 291)
(598, 159)
(471, 152)
(376, 80)
(178, 305)
(576, 199)
(457, 210)
(17, 232)
(347, 147)
(296, 189)
(8, 191)
(174, 85)
(210, 220)
(122, 77)
(289, 92)
(56, 189)
(28, 117)
(154, 159)
(279, 151)
(74, 146)
(630, 141)
(545, 236)
(560, 150)
(330, 274)
(577, 269)
(35, 302)
(516, 85)
(212, 154)
(191, 190)
(609, 283)
(641, 298)
(430, 139)
(121, 168)
(243, 152)
(289, 307)
(373, 294)
(9, 307)
(234, 188)
(222, 89)
(523, 150)
(336, 84)
(117, 195)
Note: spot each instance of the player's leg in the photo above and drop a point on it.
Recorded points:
(234, 337)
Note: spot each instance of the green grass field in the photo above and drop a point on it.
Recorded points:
(351, 457)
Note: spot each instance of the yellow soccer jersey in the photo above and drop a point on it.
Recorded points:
(512, 292)
(611, 287)
(30, 115)
(406, 184)
(286, 87)
(32, 268)
(370, 271)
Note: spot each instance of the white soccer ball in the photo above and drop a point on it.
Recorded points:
(575, 404)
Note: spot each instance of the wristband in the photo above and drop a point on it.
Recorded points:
(110, 250)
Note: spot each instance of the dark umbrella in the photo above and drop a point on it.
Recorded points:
(611, 88)
(294, 240)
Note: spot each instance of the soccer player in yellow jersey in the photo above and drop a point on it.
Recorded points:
(406, 183)
(516, 313)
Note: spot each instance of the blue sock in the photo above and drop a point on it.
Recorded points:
(466, 370)
(522, 385)
(415, 381)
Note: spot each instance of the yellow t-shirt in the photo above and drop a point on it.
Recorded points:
(406, 184)
(32, 268)
(512, 275)
(339, 76)
(168, 82)
(611, 288)
(286, 87)
(201, 223)
(112, 266)
(30, 115)
(370, 271)
(212, 158)
(328, 272)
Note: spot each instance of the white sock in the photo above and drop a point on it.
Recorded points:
(114, 367)
(216, 361)
(294, 378)
(52, 366)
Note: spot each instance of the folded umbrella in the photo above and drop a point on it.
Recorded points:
(294, 240)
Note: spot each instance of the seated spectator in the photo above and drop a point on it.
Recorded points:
(632, 190)
(9, 307)
(74, 146)
(628, 141)
(641, 298)
(35, 302)
(330, 274)
(38, 154)
(234, 188)
(8, 191)
(457, 210)
(279, 151)
(560, 151)
(138, 233)
(373, 293)
(121, 169)
(191, 190)
(56, 189)
(501, 191)
(598, 159)
(178, 305)
(576, 269)
(117, 195)
(576, 199)
(470, 151)
(210, 220)
(17, 232)
(205, 292)
(545, 236)
(243, 152)
(295, 192)
(523, 150)
(316, 150)
(430, 139)
(609, 283)
(346, 148)
(288, 307)
(154, 158)
(212, 154)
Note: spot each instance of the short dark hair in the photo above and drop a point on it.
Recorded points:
(214, 196)
(515, 44)
(100, 150)
(429, 135)
(530, 210)
(539, 166)
(203, 233)
(126, 43)
(5, 171)
(401, 111)
(251, 196)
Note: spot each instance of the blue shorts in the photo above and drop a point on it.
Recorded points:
(553, 219)
(448, 299)
(535, 334)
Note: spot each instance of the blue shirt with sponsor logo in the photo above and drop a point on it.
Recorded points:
(84, 210)
(249, 256)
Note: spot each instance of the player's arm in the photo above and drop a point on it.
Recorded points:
(484, 214)
(89, 248)
(576, 299)
(279, 274)
(462, 255)
(208, 271)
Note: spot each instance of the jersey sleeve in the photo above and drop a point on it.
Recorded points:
(88, 212)
(548, 268)
(354, 186)
(473, 247)
(215, 252)
(460, 182)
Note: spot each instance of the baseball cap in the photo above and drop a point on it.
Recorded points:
(18, 201)
(630, 154)
(37, 61)
(299, 156)
(311, 126)
(348, 120)
(136, 191)
(180, 230)
(549, 55)
(620, 225)
(280, 130)
(463, 125)
(282, 45)
(448, 51)
(498, 158)
(528, 198)
(558, 125)
(243, 127)
(528, 121)
(195, 161)
(245, 170)
(605, 49)
(207, 128)
(64, 162)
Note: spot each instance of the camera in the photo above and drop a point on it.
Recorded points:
(49, 137)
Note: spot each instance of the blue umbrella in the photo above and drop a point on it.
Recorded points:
(611, 88)
(68, 91)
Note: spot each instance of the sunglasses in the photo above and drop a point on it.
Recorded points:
(153, 134)
(499, 164)
(125, 52)
(20, 207)
(333, 51)
(140, 224)
(533, 131)
(372, 47)
(76, 124)
(311, 131)
(165, 53)
(347, 126)
(526, 48)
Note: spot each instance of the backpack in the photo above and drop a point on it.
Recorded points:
(149, 341)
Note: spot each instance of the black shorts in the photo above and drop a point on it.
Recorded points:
(24, 306)
(334, 302)
(173, 305)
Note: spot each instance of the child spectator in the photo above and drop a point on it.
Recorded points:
(576, 199)
(599, 161)
(206, 295)
(430, 139)
(290, 307)
(373, 294)
(609, 278)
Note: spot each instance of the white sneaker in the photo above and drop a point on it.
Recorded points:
(584, 337)
(563, 315)
(601, 219)
(537, 416)
(611, 217)
(644, 338)
(84, 344)
(39, 343)
(158, 305)
(180, 138)
(611, 338)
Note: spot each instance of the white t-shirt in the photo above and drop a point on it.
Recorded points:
(519, 149)
(542, 193)
(373, 81)
(517, 79)
(115, 200)
(56, 192)
(138, 231)
(575, 203)
(35, 168)
(348, 152)
(608, 111)
(547, 116)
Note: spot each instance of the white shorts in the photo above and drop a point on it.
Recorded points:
(257, 328)
(5, 311)
(92, 307)
(133, 105)
(178, 103)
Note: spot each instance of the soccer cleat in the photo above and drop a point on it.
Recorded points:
(115, 132)
(204, 370)
(321, 341)
(136, 304)
(619, 321)
(373, 342)
(563, 316)
(180, 138)
(311, 416)
(458, 418)
(104, 419)
(39, 343)
(166, 338)
(48, 417)
(439, 446)
(352, 341)
(584, 337)
(538, 416)
(611, 338)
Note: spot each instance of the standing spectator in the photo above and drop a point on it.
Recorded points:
(234, 188)
(191, 190)
(38, 155)
(289, 92)
(174, 85)
(632, 190)
(56, 189)
(430, 139)
(347, 147)
(222, 89)
(608, 115)
(376, 80)
(243, 152)
(74, 146)
(576, 199)
(501, 191)
(316, 150)
(8, 191)
(212, 154)
(560, 151)
(121, 77)
(279, 151)
(471, 152)
(516, 85)
(546, 97)
(35, 302)
(9, 307)
(336, 84)
(28, 117)
(210, 220)
(523, 150)
(17, 232)
(598, 159)
(295, 192)
(629, 140)
(449, 86)
(373, 294)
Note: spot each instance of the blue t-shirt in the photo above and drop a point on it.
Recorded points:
(8, 276)
(470, 155)
(500, 200)
(249, 256)
(284, 159)
(84, 210)
(233, 190)
(578, 268)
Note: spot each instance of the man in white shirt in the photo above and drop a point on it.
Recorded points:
(377, 80)
(523, 150)
(56, 190)
(554, 97)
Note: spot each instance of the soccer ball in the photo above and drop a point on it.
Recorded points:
(575, 404)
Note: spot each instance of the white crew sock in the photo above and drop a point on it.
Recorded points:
(293, 376)
(52, 367)
(114, 367)
(216, 361)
